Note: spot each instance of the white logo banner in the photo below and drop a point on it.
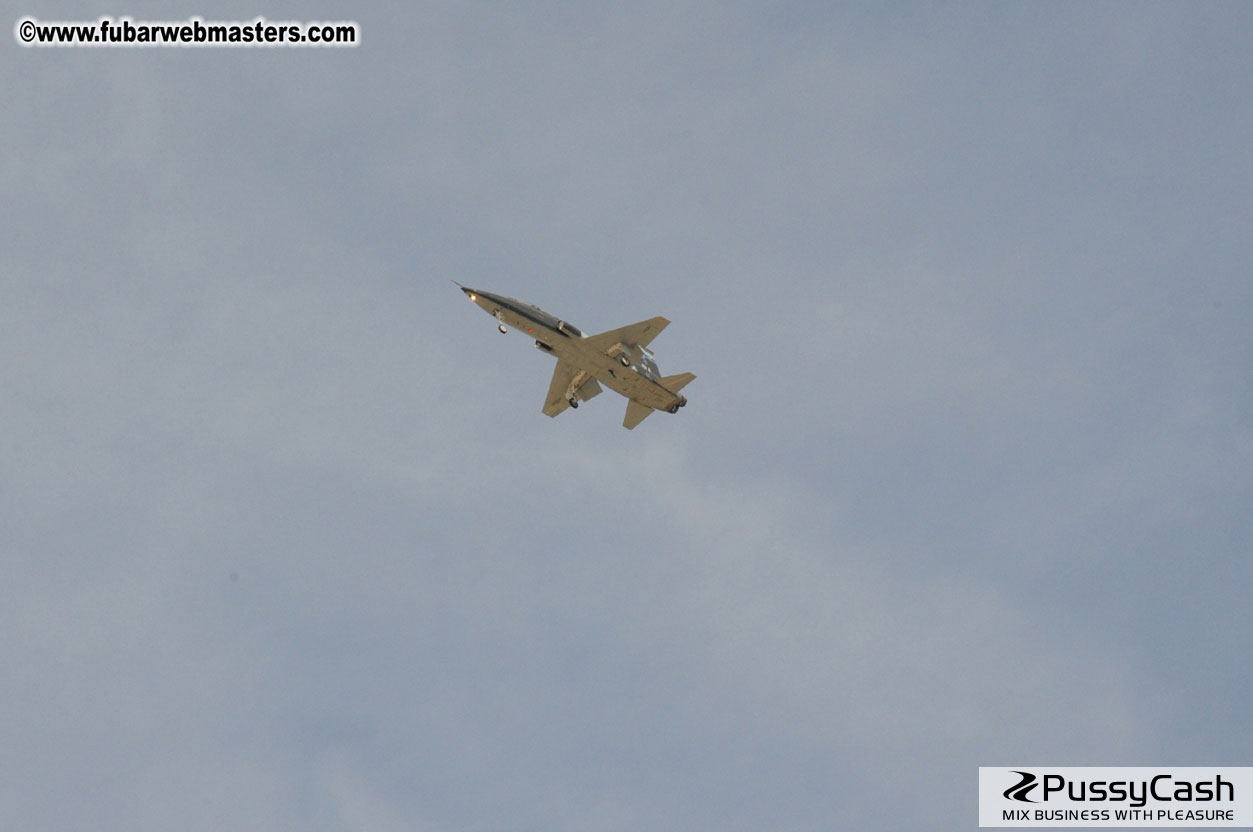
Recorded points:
(1116, 797)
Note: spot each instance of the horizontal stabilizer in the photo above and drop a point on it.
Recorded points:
(635, 414)
(676, 383)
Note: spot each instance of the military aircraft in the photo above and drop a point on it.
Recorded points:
(619, 359)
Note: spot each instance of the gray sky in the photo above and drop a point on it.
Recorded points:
(966, 477)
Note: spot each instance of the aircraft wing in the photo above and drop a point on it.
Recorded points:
(564, 375)
(635, 335)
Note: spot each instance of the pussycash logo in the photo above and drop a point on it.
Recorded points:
(1162, 788)
(1019, 790)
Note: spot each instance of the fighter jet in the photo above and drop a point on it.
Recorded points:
(619, 359)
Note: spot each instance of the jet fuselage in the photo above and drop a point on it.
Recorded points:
(628, 369)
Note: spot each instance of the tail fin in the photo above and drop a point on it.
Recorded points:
(677, 382)
(635, 414)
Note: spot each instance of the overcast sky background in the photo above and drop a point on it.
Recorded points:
(966, 477)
